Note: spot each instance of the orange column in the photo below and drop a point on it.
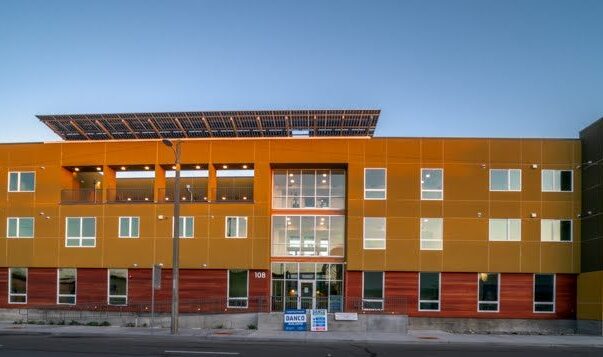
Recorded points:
(212, 183)
(159, 184)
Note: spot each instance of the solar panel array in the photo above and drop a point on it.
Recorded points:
(231, 124)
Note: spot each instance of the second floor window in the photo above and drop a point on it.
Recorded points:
(432, 184)
(556, 230)
(20, 227)
(374, 232)
(129, 227)
(505, 230)
(432, 233)
(505, 180)
(186, 229)
(375, 184)
(80, 232)
(308, 235)
(557, 180)
(21, 181)
(236, 227)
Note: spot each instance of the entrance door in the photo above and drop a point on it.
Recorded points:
(306, 293)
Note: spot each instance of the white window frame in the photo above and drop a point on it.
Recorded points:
(422, 240)
(554, 180)
(228, 298)
(130, 220)
(365, 239)
(384, 190)
(109, 296)
(318, 245)
(439, 301)
(554, 303)
(508, 180)
(181, 232)
(19, 181)
(10, 295)
(497, 302)
(238, 227)
(549, 220)
(18, 235)
(382, 300)
(81, 232)
(508, 222)
(59, 295)
(330, 196)
(430, 190)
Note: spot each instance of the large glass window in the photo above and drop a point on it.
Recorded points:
(17, 285)
(302, 189)
(372, 290)
(555, 230)
(432, 233)
(186, 229)
(544, 292)
(238, 288)
(19, 227)
(375, 184)
(432, 184)
(557, 180)
(118, 287)
(236, 227)
(505, 180)
(80, 232)
(505, 229)
(308, 235)
(488, 286)
(129, 227)
(21, 181)
(429, 291)
(374, 232)
(66, 286)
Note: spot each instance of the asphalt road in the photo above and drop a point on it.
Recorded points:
(19, 344)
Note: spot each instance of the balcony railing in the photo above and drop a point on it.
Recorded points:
(192, 194)
(82, 196)
(234, 194)
(127, 195)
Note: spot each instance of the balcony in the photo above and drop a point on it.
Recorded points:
(82, 196)
(187, 194)
(130, 195)
(234, 193)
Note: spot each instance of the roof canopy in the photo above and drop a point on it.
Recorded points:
(245, 124)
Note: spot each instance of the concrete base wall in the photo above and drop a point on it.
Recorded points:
(378, 323)
(590, 327)
(518, 326)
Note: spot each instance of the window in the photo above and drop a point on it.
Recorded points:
(186, 227)
(488, 296)
(17, 285)
(374, 232)
(544, 292)
(118, 287)
(557, 181)
(375, 184)
(20, 227)
(236, 227)
(238, 288)
(429, 291)
(66, 286)
(372, 290)
(21, 181)
(129, 227)
(505, 229)
(555, 230)
(432, 184)
(303, 189)
(308, 235)
(80, 232)
(431, 233)
(505, 180)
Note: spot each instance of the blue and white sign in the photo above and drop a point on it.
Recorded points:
(318, 320)
(295, 320)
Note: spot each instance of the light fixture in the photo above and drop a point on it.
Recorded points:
(198, 167)
(244, 198)
(98, 168)
(290, 175)
(123, 168)
(204, 198)
(324, 181)
(167, 198)
(324, 175)
(146, 168)
(146, 198)
(292, 181)
(76, 169)
(244, 166)
(427, 175)
(224, 166)
(129, 199)
(160, 217)
(173, 167)
(223, 198)
(483, 276)
(534, 166)
(533, 215)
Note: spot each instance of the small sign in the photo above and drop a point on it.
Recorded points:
(156, 276)
(318, 320)
(346, 316)
(295, 320)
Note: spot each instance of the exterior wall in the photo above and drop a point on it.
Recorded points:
(590, 296)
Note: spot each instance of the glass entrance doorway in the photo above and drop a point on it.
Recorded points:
(306, 295)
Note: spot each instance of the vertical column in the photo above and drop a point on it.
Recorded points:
(109, 183)
(212, 183)
(159, 184)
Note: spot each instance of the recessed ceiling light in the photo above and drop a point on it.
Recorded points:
(123, 168)
(99, 168)
(173, 167)
(198, 167)
(146, 168)
(224, 166)
(76, 169)
(223, 198)
(244, 197)
(244, 166)
(292, 181)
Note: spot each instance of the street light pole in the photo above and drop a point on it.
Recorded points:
(176, 238)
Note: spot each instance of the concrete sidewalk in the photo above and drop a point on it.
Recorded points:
(414, 337)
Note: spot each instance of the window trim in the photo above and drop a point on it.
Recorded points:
(508, 224)
(18, 236)
(558, 219)
(555, 170)
(109, 287)
(534, 302)
(19, 181)
(246, 299)
(499, 284)
(421, 240)
(364, 239)
(181, 233)
(59, 295)
(237, 219)
(384, 190)
(382, 300)
(429, 190)
(17, 294)
(81, 218)
(439, 301)
(508, 180)
(130, 218)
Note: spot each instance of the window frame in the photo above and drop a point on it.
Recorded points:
(18, 235)
(439, 301)
(109, 296)
(228, 298)
(181, 232)
(9, 285)
(238, 226)
(59, 295)
(421, 240)
(430, 190)
(19, 181)
(81, 218)
(555, 178)
(534, 302)
(508, 222)
(384, 190)
(130, 219)
(365, 239)
(382, 300)
(497, 302)
(317, 244)
(315, 196)
(508, 180)
(558, 220)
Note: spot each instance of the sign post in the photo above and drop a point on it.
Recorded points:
(318, 320)
(295, 320)
(156, 286)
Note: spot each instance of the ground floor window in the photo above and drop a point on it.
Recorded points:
(544, 292)
(429, 291)
(17, 285)
(307, 286)
(118, 287)
(66, 286)
(488, 294)
(372, 290)
(238, 288)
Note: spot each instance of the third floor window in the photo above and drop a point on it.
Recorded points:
(308, 189)
(557, 181)
(21, 181)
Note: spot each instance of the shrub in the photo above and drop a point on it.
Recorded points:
(105, 323)
(92, 323)
(130, 324)
(74, 323)
(220, 326)
(252, 327)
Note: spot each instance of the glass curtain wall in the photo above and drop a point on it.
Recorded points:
(308, 236)
(308, 189)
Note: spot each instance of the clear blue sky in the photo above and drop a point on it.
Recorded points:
(435, 68)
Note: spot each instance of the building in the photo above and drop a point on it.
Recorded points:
(301, 209)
